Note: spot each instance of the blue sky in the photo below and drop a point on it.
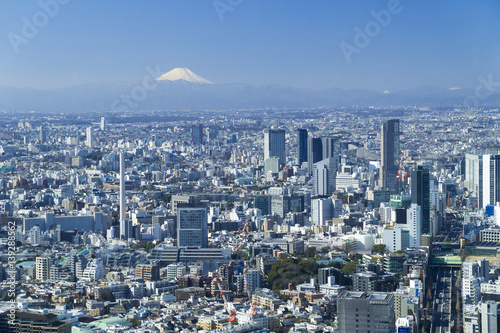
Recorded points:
(296, 43)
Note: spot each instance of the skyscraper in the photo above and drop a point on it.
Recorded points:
(324, 173)
(192, 229)
(43, 135)
(125, 225)
(321, 148)
(197, 134)
(474, 176)
(420, 195)
(104, 123)
(491, 179)
(390, 155)
(274, 144)
(301, 146)
(414, 218)
(314, 152)
(89, 139)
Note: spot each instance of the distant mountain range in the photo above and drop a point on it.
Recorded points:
(182, 89)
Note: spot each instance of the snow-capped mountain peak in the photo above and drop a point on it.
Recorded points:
(183, 74)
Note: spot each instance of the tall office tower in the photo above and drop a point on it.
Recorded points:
(197, 134)
(491, 179)
(104, 124)
(263, 202)
(420, 195)
(274, 144)
(125, 226)
(323, 209)
(301, 146)
(321, 148)
(474, 176)
(436, 211)
(324, 173)
(43, 135)
(89, 139)
(390, 155)
(414, 218)
(42, 268)
(359, 311)
(314, 152)
(192, 229)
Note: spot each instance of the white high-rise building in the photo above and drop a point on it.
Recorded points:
(34, 235)
(489, 316)
(104, 123)
(42, 268)
(474, 176)
(414, 221)
(324, 209)
(125, 225)
(396, 238)
(90, 138)
(321, 210)
(252, 279)
(473, 274)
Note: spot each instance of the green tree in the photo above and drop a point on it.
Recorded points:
(149, 247)
(135, 322)
(310, 252)
(336, 264)
(356, 257)
(379, 248)
(107, 296)
(349, 268)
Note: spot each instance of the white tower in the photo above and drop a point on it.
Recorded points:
(123, 232)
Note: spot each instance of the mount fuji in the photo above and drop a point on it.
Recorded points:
(181, 89)
(184, 74)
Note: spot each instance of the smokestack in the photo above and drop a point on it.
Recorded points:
(122, 196)
(331, 280)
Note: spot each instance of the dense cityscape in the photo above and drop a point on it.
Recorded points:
(232, 166)
(251, 221)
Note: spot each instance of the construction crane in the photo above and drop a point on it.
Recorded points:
(223, 296)
(253, 310)
(232, 314)
(232, 317)
(402, 174)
